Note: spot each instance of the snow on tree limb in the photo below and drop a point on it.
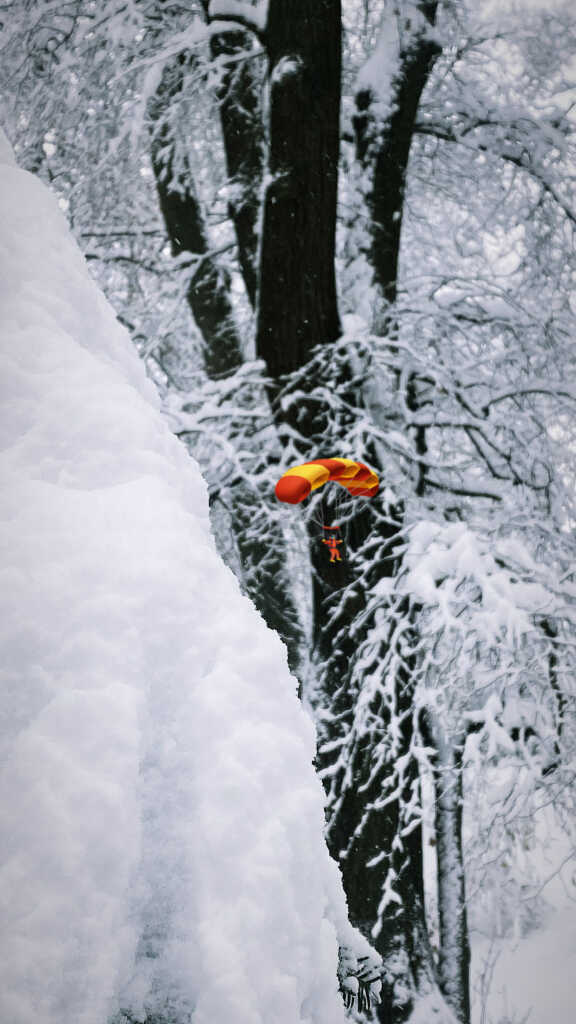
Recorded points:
(252, 17)
(523, 161)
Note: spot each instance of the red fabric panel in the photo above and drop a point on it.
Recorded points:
(365, 492)
(334, 467)
(362, 474)
(292, 489)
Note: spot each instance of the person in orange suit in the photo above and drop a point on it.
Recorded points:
(333, 543)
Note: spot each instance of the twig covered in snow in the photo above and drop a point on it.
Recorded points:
(246, 15)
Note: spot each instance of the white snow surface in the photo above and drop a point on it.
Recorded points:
(161, 820)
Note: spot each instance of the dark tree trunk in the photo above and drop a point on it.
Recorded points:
(297, 306)
(265, 574)
(377, 842)
(383, 148)
(297, 311)
(369, 822)
(239, 94)
(550, 630)
(208, 291)
(368, 825)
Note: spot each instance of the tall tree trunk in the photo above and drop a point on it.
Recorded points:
(297, 311)
(373, 809)
(374, 824)
(383, 147)
(297, 306)
(297, 302)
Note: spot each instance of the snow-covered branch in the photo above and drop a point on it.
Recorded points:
(244, 15)
(522, 160)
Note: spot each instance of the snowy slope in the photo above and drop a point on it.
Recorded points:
(161, 821)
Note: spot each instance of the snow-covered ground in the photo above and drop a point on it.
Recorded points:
(523, 935)
(531, 979)
(161, 820)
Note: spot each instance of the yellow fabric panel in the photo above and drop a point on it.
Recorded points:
(316, 475)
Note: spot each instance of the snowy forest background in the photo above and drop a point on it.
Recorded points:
(350, 231)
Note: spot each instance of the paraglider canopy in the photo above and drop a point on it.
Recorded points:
(299, 481)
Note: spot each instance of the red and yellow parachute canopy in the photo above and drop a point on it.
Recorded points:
(297, 482)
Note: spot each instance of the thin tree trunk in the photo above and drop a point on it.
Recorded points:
(208, 292)
(383, 142)
(239, 94)
(454, 953)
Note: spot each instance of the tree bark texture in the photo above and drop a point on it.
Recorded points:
(297, 305)
(239, 94)
(376, 826)
(378, 846)
(383, 146)
(297, 311)
(208, 292)
(454, 953)
(364, 826)
(265, 577)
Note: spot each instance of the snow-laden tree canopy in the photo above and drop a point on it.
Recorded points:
(162, 823)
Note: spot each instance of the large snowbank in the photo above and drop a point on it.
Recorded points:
(161, 820)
